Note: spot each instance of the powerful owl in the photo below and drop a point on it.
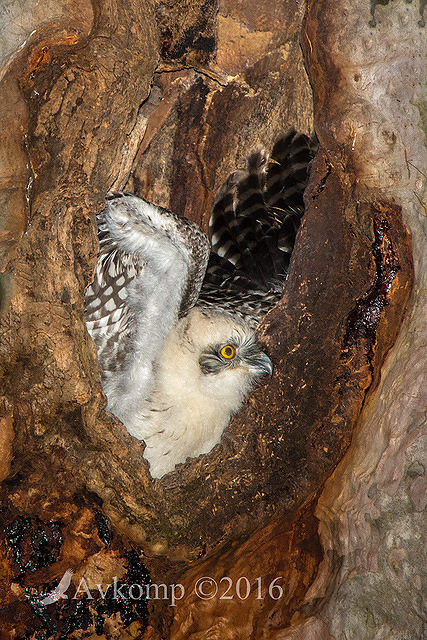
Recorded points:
(174, 318)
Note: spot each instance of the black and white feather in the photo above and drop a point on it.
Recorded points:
(253, 225)
(173, 317)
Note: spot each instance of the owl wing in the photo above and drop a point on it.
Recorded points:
(149, 273)
(107, 314)
(253, 225)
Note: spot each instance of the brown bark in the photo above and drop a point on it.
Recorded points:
(165, 100)
(370, 583)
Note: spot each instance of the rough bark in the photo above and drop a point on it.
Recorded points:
(165, 100)
(372, 580)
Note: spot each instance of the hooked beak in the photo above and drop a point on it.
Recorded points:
(262, 365)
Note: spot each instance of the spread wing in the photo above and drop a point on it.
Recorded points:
(149, 273)
(254, 221)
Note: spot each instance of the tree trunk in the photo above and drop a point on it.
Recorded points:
(306, 521)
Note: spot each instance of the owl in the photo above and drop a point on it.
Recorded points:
(174, 316)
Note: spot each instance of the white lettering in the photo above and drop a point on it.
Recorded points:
(84, 589)
(174, 596)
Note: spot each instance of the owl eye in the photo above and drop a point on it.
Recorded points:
(228, 352)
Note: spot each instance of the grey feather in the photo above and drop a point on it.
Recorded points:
(149, 273)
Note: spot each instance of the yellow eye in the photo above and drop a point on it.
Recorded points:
(228, 352)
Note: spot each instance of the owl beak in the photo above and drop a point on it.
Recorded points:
(262, 365)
